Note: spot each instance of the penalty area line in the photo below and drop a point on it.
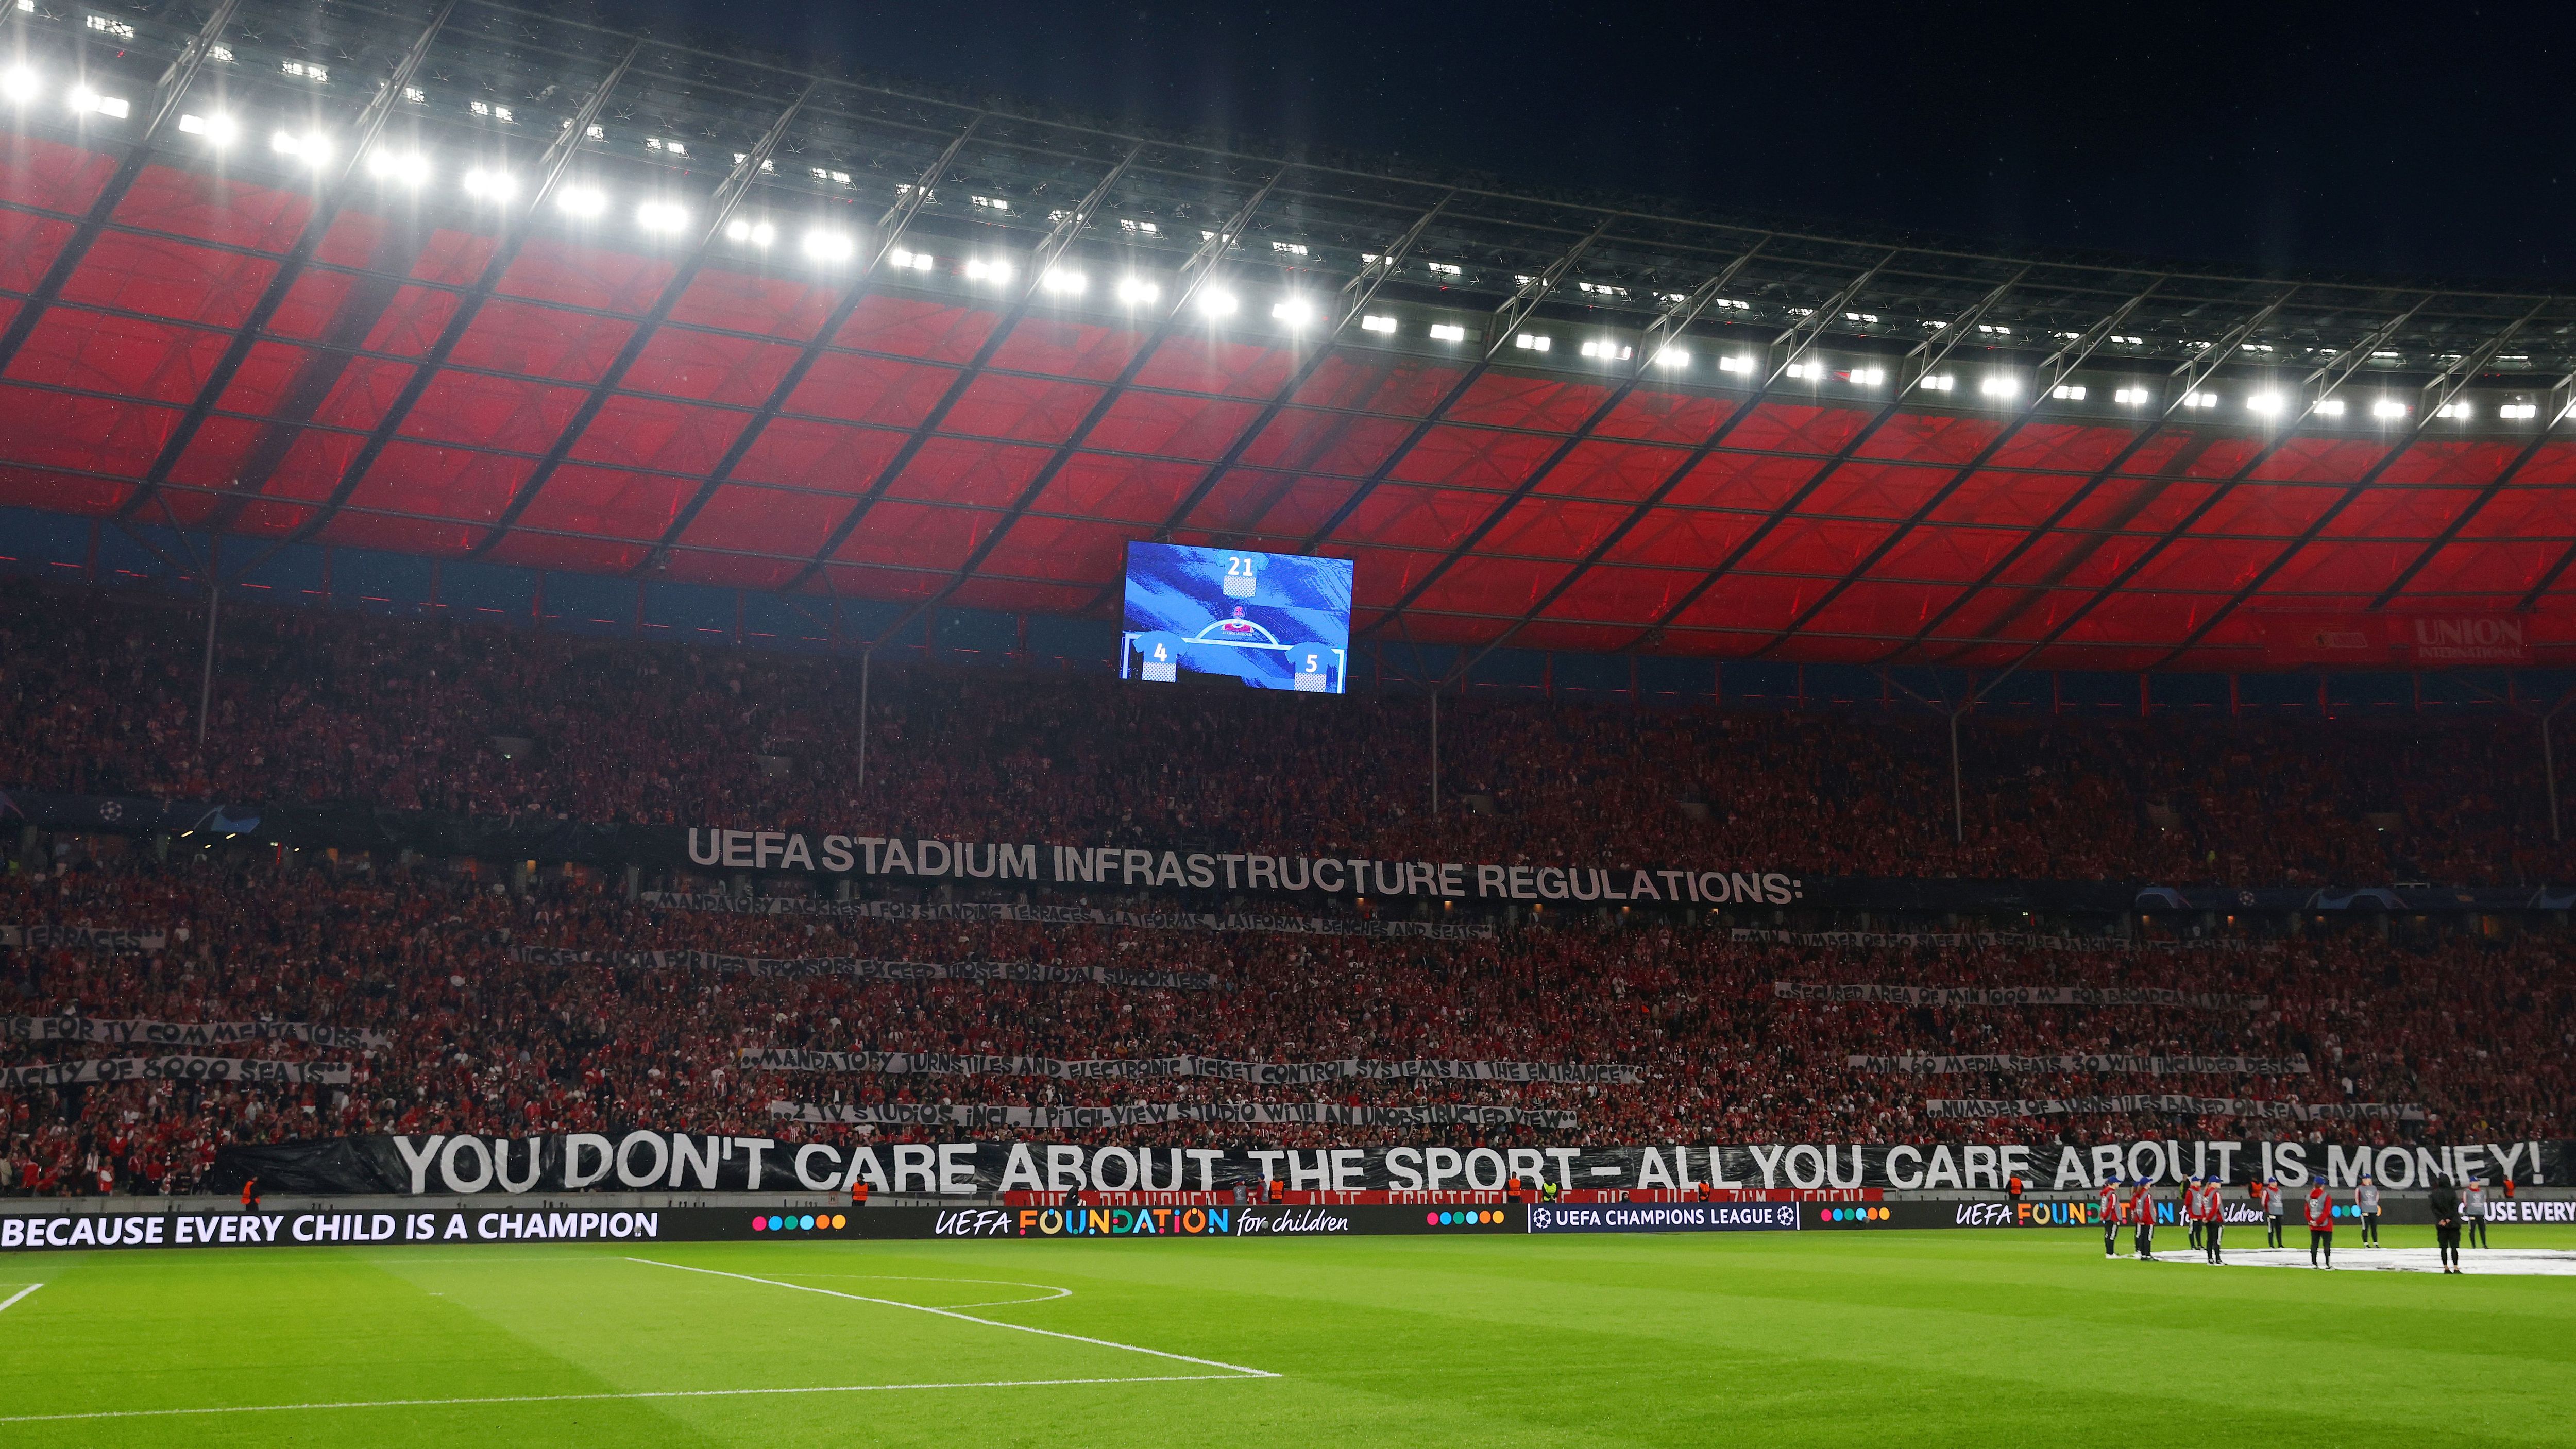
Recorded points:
(597, 1398)
(11, 1300)
(1235, 1368)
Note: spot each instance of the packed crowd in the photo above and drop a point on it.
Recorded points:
(489, 1030)
(98, 694)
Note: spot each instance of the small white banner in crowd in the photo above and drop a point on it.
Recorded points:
(2290, 1066)
(1004, 914)
(1027, 973)
(83, 938)
(1136, 1069)
(174, 1069)
(1148, 1114)
(2017, 995)
(2188, 1106)
(123, 1031)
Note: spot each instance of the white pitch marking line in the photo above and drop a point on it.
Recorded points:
(594, 1398)
(966, 1318)
(21, 1293)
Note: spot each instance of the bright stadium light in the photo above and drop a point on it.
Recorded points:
(1937, 382)
(2388, 407)
(313, 151)
(2130, 396)
(2200, 399)
(1440, 331)
(219, 129)
(1999, 385)
(980, 270)
(2460, 410)
(1867, 376)
(1738, 363)
(485, 185)
(1806, 371)
(1294, 311)
(2264, 403)
(1672, 357)
(19, 85)
(2330, 407)
(2068, 392)
(1216, 302)
(1064, 281)
(661, 216)
(1375, 323)
(820, 244)
(2518, 412)
(1532, 342)
(1135, 291)
(903, 260)
(87, 102)
(584, 201)
(409, 168)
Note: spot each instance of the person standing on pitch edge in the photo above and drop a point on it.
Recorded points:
(2111, 1216)
(2446, 1225)
(2365, 1205)
(2268, 1195)
(2191, 1212)
(2473, 1211)
(2142, 1213)
(2320, 1224)
(2213, 1216)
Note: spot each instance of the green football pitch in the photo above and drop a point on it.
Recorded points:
(1983, 1338)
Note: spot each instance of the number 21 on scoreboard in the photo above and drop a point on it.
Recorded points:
(1239, 576)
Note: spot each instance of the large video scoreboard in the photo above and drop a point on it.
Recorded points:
(1268, 620)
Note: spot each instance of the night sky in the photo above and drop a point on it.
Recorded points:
(2430, 142)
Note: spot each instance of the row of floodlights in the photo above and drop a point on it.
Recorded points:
(19, 85)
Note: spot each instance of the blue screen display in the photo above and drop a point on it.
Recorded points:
(1270, 620)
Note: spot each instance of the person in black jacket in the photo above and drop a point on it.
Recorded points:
(2446, 1225)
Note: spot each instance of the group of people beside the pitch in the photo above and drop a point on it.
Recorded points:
(2205, 1214)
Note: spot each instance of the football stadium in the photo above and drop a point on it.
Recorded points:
(656, 787)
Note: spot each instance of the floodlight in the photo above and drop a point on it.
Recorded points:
(1295, 311)
(1064, 281)
(821, 245)
(581, 201)
(979, 270)
(19, 85)
(1937, 382)
(1375, 323)
(408, 167)
(1136, 290)
(313, 151)
(1215, 302)
(2388, 407)
(661, 216)
(219, 129)
(490, 185)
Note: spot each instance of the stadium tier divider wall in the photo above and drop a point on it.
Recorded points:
(77, 549)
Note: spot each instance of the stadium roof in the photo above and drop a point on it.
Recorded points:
(470, 280)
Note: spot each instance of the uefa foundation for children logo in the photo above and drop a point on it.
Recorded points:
(1854, 1217)
(799, 1222)
(1463, 1219)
